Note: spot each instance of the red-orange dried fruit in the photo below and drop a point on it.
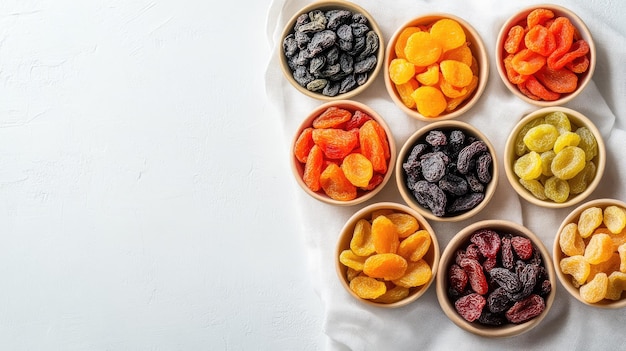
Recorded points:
(512, 75)
(372, 146)
(578, 65)
(538, 17)
(559, 81)
(382, 135)
(525, 91)
(303, 144)
(527, 62)
(376, 180)
(514, 38)
(336, 185)
(578, 49)
(335, 143)
(332, 117)
(537, 89)
(540, 40)
(356, 121)
(563, 31)
(313, 168)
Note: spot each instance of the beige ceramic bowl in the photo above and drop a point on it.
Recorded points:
(419, 138)
(324, 6)
(557, 254)
(298, 167)
(581, 32)
(460, 241)
(478, 51)
(431, 257)
(576, 120)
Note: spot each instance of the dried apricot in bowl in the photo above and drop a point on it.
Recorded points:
(555, 157)
(496, 279)
(331, 50)
(545, 55)
(387, 255)
(342, 153)
(589, 253)
(435, 67)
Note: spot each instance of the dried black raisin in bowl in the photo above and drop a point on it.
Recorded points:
(331, 50)
(447, 171)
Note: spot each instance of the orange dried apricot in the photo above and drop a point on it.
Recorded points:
(430, 101)
(610, 265)
(456, 73)
(336, 185)
(405, 223)
(538, 17)
(335, 143)
(372, 146)
(362, 242)
(392, 295)
(352, 260)
(430, 76)
(332, 117)
(402, 39)
(405, 90)
(599, 249)
(563, 31)
(387, 266)
(385, 235)
(616, 285)
(415, 246)
(448, 33)
(416, 274)
(367, 287)
(401, 70)
(527, 62)
(358, 169)
(422, 49)
(313, 168)
(614, 219)
(559, 81)
(537, 89)
(540, 40)
(303, 144)
(570, 241)
(577, 267)
(589, 220)
(514, 38)
(462, 54)
(512, 75)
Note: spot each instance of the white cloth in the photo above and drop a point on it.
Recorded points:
(351, 325)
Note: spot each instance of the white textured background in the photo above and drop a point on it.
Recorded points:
(141, 174)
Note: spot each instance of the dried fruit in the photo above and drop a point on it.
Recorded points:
(596, 289)
(387, 266)
(362, 242)
(385, 235)
(526, 309)
(358, 169)
(570, 241)
(416, 274)
(470, 306)
(367, 287)
(336, 185)
(415, 246)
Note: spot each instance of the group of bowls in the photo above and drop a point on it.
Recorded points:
(441, 262)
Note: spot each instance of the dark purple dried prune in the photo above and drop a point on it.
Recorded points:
(466, 202)
(457, 139)
(526, 309)
(346, 40)
(359, 18)
(302, 19)
(506, 279)
(488, 318)
(316, 64)
(321, 41)
(302, 40)
(302, 58)
(416, 152)
(302, 76)
(487, 241)
(366, 64)
(371, 45)
(330, 70)
(429, 195)
(436, 138)
(290, 45)
(546, 288)
(331, 89)
(453, 184)
(528, 277)
(347, 84)
(467, 154)
(361, 78)
(498, 300)
(332, 55)
(337, 17)
(346, 62)
(506, 252)
(474, 184)
(317, 22)
(483, 165)
(359, 29)
(359, 45)
(433, 167)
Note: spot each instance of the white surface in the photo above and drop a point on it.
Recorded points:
(143, 197)
(351, 325)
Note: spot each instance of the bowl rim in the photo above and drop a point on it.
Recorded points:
(580, 27)
(332, 4)
(410, 143)
(510, 158)
(352, 105)
(367, 210)
(480, 53)
(447, 256)
(557, 254)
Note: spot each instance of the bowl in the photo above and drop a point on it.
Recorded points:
(569, 244)
(415, 248)
(325, 60)
(465, 184)
(556, 82)
(504, 317)
(534, 188)
(460, 96)
(353, 152)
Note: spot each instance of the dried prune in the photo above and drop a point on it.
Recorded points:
(506, 279)
(431, 196)
(498, 300)
(466, 202)
(453, 184)
(433, 167)
(467, 153)
(483, 168)
(436, 138)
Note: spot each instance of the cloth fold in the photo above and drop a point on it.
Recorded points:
(351, 325)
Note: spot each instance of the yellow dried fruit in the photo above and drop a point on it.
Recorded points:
(614, 218)
(362, 242)
(367, 287)
(596, 289)
(405, 223)
(599, 249)
(417, 274)
(570, 241)
(352, 260)
(415, 246)
(589, 220)
(392, 295)
(387, 266)
(577, 267)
